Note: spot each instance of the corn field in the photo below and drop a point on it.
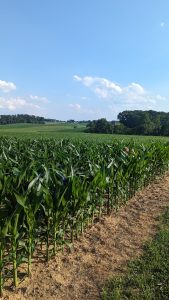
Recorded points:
(51, 190)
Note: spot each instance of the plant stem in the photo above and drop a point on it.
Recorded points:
(54, 236)
(14, 255)
(47, 239)
(30, 254)
(1, 269)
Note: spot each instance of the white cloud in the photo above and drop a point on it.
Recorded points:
(77, 78)
(160, 98)
(13, 104)
(136, 88)
(39, 99)
(75, 106)
(132, 94)
(82, 110)
(7, 86)
(87, 80)
(102, 93)
(108, 84)
(34, 97)
(90, 81)
(18, 104)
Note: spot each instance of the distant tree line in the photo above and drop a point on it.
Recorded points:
(133, 122)
(25, 118)
(21, 118)
(144, 122)
(71, 121)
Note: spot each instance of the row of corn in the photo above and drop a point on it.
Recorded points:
(51, 190)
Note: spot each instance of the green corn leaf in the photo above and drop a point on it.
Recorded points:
(33, 182)
(21, 200)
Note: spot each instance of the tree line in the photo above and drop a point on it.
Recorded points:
(23, 118)
(133, 122)
(129, 122)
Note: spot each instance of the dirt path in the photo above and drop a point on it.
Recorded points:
(104, 250)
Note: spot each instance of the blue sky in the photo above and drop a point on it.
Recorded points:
(83, 59)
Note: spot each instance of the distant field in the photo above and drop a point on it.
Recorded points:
(39, 130)
(65, 131)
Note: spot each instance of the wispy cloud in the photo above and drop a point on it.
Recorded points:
(132, 94)
(75, 106)
(164, 24)
(87, 81)
(39, 99)
(97, 82)
(22, 104)
(6, 86)
(13, 104)
(78, 108)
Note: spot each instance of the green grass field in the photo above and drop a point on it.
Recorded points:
(40, 130)
(61, 130)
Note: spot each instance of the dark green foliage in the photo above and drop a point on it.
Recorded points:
(13, 119)
(144, 122)
(99, 126)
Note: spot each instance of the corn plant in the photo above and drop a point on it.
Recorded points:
(50, 190)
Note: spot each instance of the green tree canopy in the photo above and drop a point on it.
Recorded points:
(145, 122)
(99, 126)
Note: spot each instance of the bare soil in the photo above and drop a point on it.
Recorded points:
(102, 252)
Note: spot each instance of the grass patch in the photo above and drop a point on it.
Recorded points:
(148, 277)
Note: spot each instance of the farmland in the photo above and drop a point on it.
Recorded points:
(57, 130)
(52, 189)
(66, 130)
(55, 180)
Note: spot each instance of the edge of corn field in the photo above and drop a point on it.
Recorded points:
(103, 251)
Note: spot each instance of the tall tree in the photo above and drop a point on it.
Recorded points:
(99, 126)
